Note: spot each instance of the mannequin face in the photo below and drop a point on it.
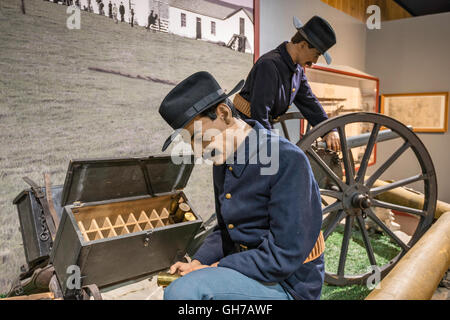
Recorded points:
(306, 56)
(216, 139)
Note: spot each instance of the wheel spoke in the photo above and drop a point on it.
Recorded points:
(382, 204)
(368, 153)
(285, 130)
(345, 243)
(367, 244)
(331, 222)
(349, 170)
(388, 231)
(387, 164)
(400, 183)
(327, 169)
(332, 207)
(331, 193)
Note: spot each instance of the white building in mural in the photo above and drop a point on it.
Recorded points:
(211, 20)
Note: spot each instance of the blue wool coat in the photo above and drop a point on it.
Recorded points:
(274, 83)
(278, 216)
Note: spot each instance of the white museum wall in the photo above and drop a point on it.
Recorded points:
(412, 55)
(276, 26)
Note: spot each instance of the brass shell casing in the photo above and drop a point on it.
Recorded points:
(164, 278)
(189, 216)
(182, 209)
(173, 206)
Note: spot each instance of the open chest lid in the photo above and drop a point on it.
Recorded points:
(106, 179)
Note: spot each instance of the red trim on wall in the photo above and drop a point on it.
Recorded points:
(256, 19)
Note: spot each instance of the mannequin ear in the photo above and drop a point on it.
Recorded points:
(224, 113)
(303, 44)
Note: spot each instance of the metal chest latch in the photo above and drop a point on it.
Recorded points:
(76, 206)
(147, 238)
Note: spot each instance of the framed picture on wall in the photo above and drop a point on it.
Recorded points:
(425, 112)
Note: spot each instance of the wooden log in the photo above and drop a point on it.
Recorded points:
(418, 273)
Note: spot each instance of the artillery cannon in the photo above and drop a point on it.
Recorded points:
(355, 194)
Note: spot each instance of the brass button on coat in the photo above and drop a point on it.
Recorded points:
(228, 196)
(231, 226)
(230, 168)
(293, 89)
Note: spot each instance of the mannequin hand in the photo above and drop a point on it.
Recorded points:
(183, 268)
(333, 142)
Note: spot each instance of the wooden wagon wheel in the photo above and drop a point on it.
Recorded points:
(356, 196)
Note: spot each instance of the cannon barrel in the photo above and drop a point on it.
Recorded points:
(362, 139)
(418, 273)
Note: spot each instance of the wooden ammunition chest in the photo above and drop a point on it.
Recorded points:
(117, 220)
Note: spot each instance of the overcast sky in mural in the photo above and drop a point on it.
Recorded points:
(245, 3)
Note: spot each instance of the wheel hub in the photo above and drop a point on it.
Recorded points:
(356, 199)
(361, 201)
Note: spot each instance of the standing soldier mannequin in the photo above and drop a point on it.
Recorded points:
(278, 78)
(122, 12)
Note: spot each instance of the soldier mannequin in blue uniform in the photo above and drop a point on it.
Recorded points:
(267, 243)
(278, 79)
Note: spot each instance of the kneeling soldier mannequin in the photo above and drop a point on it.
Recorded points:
(267, 243)
(278, 79)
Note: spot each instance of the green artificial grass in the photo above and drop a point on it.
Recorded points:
(354, 292)
(357, 261)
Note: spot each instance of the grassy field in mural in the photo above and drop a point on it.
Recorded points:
(53, 108)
